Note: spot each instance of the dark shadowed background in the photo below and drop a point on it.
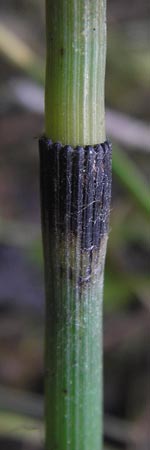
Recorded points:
(127, 275)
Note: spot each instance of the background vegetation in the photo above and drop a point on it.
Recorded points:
(127, 277)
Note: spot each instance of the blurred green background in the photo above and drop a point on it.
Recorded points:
(127, 275)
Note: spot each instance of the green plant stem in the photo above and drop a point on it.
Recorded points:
(75, 71)
(75, 199)
(75, 192)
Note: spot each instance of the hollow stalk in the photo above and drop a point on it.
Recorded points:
(75, 196)
(75, 71)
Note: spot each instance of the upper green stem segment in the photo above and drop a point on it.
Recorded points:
(75, 71)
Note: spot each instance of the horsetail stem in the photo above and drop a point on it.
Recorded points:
(75, 71)
(75, 198)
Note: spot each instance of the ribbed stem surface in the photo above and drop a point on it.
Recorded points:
(75, 71)
(75, 194)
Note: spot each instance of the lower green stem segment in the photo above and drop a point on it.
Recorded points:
(75, 198)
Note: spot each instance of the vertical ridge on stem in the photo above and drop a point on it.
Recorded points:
(75, 200)
(75, 71)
